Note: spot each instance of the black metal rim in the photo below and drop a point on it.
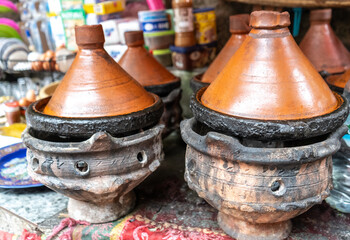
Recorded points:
(86, 127)
(163, 90)
(269, 130)
(197, 84)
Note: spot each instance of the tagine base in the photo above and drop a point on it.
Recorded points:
(243, 230)
(101, 213)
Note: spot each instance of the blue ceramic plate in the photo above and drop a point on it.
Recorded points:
(13, 168)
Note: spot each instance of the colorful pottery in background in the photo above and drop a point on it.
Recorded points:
(205, 25)
(13, 168)
(7, 6)
(322, 47)
(9, 28)
(12, 51)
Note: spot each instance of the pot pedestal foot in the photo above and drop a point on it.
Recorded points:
(101, 213)
(243, 230)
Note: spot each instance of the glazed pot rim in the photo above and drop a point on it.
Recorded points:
(270, 129)
(231, 148)
(162, 90)
(86, 127)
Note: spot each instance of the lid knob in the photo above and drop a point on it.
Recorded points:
(134, 38)
(269, 19)
(89, 35)
(321, 15)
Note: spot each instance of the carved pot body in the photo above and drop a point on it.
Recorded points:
(257, 189)
(99, 174)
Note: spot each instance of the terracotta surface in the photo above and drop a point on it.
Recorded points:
(99, 174)
(239, 27)
(339, 80)
(320, 44)
(95, 85)
(258, 187)
(269, 78)
(141, 65)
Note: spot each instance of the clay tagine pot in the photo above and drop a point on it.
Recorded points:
(337, 82)
(323, 48)
(97, 137)
(262, 159)
(154, 77)
(239, 28)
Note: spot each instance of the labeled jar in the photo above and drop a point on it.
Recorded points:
(12, 112)
(184, 26)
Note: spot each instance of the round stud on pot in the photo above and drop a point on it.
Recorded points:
(85, 141)
(324, 49)
(260, 167)
(154, 77)
(239, 28)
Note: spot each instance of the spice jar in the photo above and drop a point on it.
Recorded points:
(12, 112)
(184, 27)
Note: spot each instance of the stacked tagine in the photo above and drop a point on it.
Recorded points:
(324, 49)
(239, 28)
(261, 141)
(154, 77)
(97, 137)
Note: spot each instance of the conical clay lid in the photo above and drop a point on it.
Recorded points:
(95, 85)
(239, 28)
(141, 65)
(269, 78)
(323, 48)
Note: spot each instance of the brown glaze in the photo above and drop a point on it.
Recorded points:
(269, 78)
(239, 27)
(141, 65)
(95, 85)
(323, 48)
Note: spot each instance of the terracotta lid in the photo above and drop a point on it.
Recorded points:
(269, 78)
(239, 27)
(95, 85)
(320, 44)
(141, 64)
(339, 80)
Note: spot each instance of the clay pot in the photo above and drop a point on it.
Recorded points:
(95, 85)
(239, 28)
(257, 189)
(154, 77)
(260, 147)
(143, 67)
(323, 48)
(98, 136)
(270, 59)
